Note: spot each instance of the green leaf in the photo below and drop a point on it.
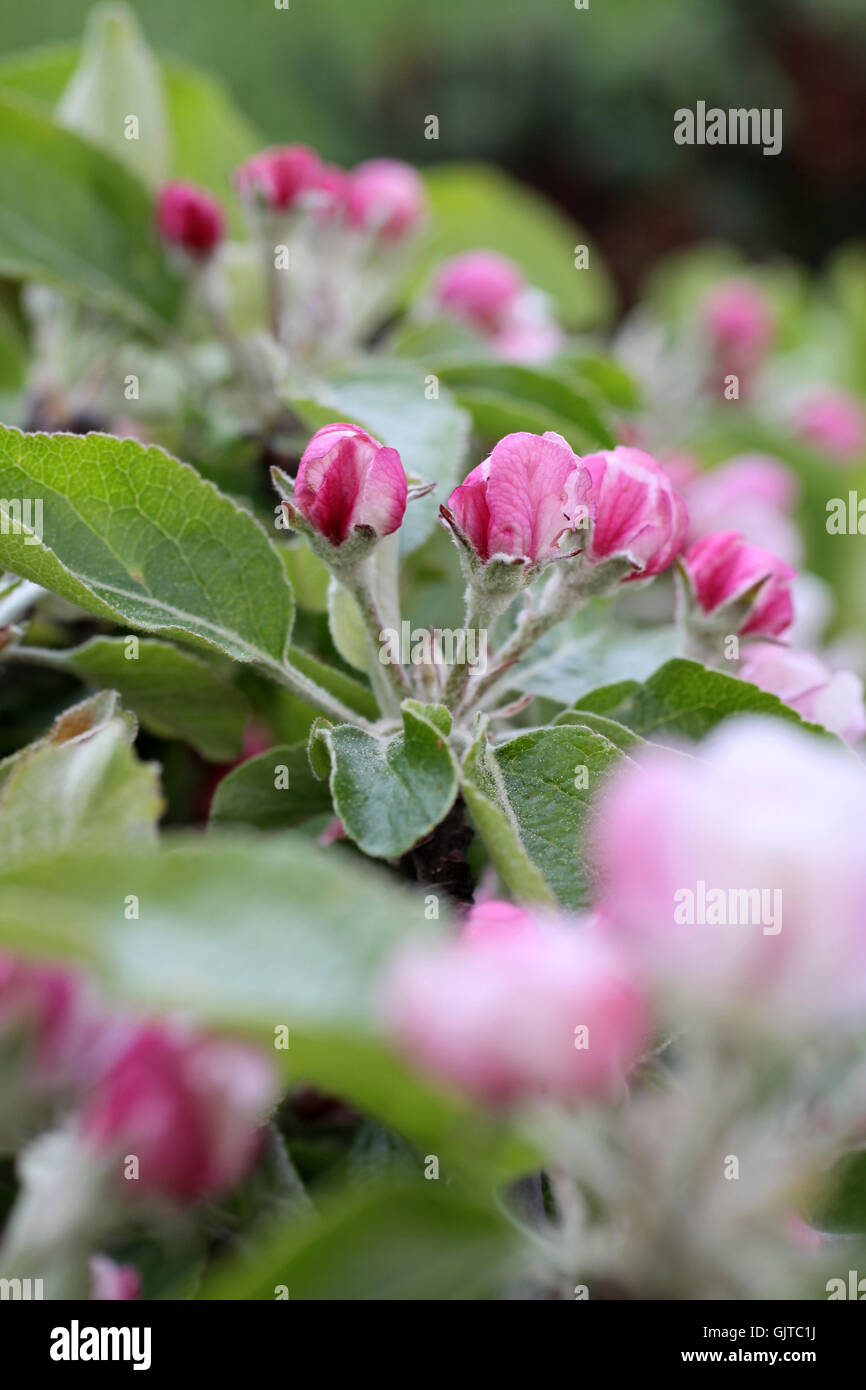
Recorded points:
(254, 793)
(565, 668)
(81, 782)
(103, 247)
(474, 205)
(174, 694)
(608, 377)
(485, 795)
(391, 791)
(308, 576)
(346, 625)
(118, 76)
(352, 693)
(617, 733)
(131, 534)
(405, 1241)
(388, 399)
(842, 1208)
(684, 700)
(550, 777)
(503, 398)
(211, 135)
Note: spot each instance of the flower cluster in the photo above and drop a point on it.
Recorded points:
(149, 1111)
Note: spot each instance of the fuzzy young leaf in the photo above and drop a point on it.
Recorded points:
(390, 791)
(683, 700)
(273, 791)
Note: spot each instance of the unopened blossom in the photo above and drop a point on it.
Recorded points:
(754, 494)
(479, 287)
(189, 1108)
(188, 217)
(522, 499)
(803, 681)
(489, 293)
(640, 518)
(110, 1281)
(835, 422)
(515, 1009)
(348, 481)
(724, 570)
(386, 197)
(738, 322)
(280, 177)
(737, 879)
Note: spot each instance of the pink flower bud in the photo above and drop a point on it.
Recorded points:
(279, 177)
(835, 422)
(479, 287)
(347, 479)
(723, 568)
(738, 321)
(110, 1281)
(752, 494)
(511, 1011)
(188, 1107)
(387, 197)
(65, 1035)
(822, 696)
(189, 218)
(522, 499)
(639, 517)
(737, 880)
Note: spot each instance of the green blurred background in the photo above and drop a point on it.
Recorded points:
(578, 103)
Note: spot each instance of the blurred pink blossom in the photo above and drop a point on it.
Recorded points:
(512, 1010)
(764, 830)
(801, 679)
(834, 421)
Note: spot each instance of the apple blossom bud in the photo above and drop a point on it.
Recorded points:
(479, 287)
(737, 880)
(521, 501)
(489, 293)
(753, 494)
(744, 586)
(387, 197)
(349, 489)
(821, 696)
(639, 517)
(110, 1281)
(278, 178)
(189, 1108)
(738, 321)
(834, 421)
(189, 218)
(514, 1009)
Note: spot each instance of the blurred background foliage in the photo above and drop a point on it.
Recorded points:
(578, 103)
